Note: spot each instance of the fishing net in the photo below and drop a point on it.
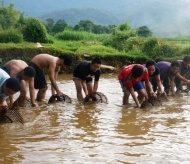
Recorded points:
(154, 101)
(10, 115)
(95, 97)
(57, 98)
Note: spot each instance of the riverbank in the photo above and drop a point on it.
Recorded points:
(27, 52)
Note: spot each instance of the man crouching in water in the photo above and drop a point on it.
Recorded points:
(53, 64)
(130, 78)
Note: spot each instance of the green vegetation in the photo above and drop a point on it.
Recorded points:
(116, 45)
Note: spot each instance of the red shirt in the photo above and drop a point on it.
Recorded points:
(125, 74)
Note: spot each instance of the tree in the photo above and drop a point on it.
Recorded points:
(8, 17)
(144, 31)
(34, 31)
(120, 36)
(86, 25)
(59, 26)
(49, 25)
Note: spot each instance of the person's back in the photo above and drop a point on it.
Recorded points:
(44, 60)
(164, 69)
(125, 73)
(14, 67)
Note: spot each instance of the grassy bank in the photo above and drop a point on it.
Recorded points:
(136, 49)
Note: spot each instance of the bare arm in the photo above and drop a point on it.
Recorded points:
(52, 76)
(84, 87)
(11, 100)
(55, 77)
(32, 92)
(149, 89)
(182, 78)
(172, 83)
(159, 84)
(135, 97)
(95, 88)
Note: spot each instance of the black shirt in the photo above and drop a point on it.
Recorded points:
(156, 72)
(82, 71)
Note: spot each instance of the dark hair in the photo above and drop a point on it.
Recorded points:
(13, 84)
(29, 71)
(150, 63)
(175, 63)
(137, 71)
(186, 59)
(67, 59)
(96, 60)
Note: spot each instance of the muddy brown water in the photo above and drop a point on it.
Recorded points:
(98, 133)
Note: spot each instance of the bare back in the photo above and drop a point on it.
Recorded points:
(15, 67)
(45, 61)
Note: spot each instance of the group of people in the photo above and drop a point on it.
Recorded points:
(147, 80)
(16, 73)
(152, 78)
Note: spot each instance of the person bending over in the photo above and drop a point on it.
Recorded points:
(83, 77)
(130, 78)
(8, 87)
(19, 69)
(53, 64)
(154, 76)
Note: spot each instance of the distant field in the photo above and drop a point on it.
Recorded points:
(179, 41)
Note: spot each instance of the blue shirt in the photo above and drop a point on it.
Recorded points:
(3, 77)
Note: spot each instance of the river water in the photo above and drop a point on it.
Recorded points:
(98, 133)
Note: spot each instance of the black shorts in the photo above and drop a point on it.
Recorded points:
(39, 79)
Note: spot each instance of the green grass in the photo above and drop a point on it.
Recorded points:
(184, 42)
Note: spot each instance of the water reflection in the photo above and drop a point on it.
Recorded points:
(131, 124)
(98, 133)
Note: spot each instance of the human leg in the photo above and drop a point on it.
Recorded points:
(126, 94)
(79, 88)
(41, 94)
(22, 97)
(142, 94)
(89, 85)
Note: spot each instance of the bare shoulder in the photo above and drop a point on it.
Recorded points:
(44, 60)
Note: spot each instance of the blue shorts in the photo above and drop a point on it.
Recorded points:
(136, 87)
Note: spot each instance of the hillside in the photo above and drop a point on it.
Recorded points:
(164, 18)
(73, 16)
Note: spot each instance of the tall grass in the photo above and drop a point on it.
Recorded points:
(80, 35)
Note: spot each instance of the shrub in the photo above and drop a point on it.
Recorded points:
(11, 35)
(34, 31)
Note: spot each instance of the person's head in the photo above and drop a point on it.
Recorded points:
(11, 86)
(95, 64)
(150, 65)
(174, 67)
(28, 73)
(67, 59)
(136, 71)
(186, 61)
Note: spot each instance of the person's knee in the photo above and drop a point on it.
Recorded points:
(142, 93)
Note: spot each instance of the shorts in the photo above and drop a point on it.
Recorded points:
(88, 79)
(39, 79)
(136, 87)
